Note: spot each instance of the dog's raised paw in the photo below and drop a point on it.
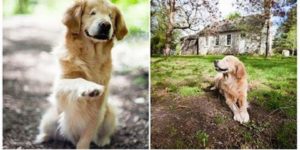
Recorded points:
(92, 91)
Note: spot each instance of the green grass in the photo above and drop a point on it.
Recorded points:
(202, 137)
(272, 81)
(286, 136)
(219, 119)
(189, 91)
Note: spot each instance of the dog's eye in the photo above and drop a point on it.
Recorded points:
(93, 13)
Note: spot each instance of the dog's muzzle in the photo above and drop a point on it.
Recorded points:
(103, 31)
(217, 68)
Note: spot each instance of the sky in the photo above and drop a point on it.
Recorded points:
(225, 6)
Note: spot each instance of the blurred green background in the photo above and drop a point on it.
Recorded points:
(136, 12)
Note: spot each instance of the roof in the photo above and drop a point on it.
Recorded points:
(245, 23)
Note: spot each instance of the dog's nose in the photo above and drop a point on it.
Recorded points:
(215, 62)
(104, 26)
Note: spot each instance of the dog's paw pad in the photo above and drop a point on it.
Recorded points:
(93, 93)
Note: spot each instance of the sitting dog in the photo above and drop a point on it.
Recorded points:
(231, 81)
(79, 110)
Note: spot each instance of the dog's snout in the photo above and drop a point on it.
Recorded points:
(216, 62)
(104, 26)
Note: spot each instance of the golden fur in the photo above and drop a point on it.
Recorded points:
(79, 110)
(232, 82)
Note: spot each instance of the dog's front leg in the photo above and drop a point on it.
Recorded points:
(92, 129)
(87, 136)
(234, 108)
(78, 88)
(217, 81)
(243, 108)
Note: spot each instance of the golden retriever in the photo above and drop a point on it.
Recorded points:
(231, 81)
(79, 110)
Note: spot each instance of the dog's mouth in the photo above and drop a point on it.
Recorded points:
(102, 37)
(219, 69)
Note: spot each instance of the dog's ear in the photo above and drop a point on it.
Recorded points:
(72, 17)
(240, 70)
(120, 25)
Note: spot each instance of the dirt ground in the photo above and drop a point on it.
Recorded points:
(207, 122)
(29, 70)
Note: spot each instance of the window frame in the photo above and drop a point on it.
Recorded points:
(217, 42)
(227, 39)
(206, 41)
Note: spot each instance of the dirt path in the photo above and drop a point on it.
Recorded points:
(29, 70)
(206, 122)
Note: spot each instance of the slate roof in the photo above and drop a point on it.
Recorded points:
(252, 22)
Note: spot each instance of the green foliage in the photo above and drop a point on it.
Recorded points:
(247, 136)
(138, 23)
(233, 15)
(179, 144)
(286, 36)
(219, 119)
(189, 91)
(286, 136)
(202, 137)
(158, 33)
(140, 81)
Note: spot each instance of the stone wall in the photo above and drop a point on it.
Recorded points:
(241, 43)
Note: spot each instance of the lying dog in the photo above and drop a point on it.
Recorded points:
(79, 111)
(231, 81)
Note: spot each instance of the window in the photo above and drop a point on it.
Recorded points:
(228, 41)
(206, 41)
(243, 35)
(217, 40)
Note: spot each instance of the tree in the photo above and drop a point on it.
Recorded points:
(268, 8)
(183, 15)
(286, 37)
(233, 16)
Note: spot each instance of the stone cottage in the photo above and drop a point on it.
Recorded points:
(243, 35)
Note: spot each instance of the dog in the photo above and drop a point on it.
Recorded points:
(231, 81)
(79, 110)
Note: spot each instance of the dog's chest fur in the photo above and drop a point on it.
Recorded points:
(229, 82)
(90, 62)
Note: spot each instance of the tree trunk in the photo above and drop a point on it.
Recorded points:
(267, 11)
(267, 39)
(170, 29)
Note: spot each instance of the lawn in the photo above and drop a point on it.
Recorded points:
(272, 83)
